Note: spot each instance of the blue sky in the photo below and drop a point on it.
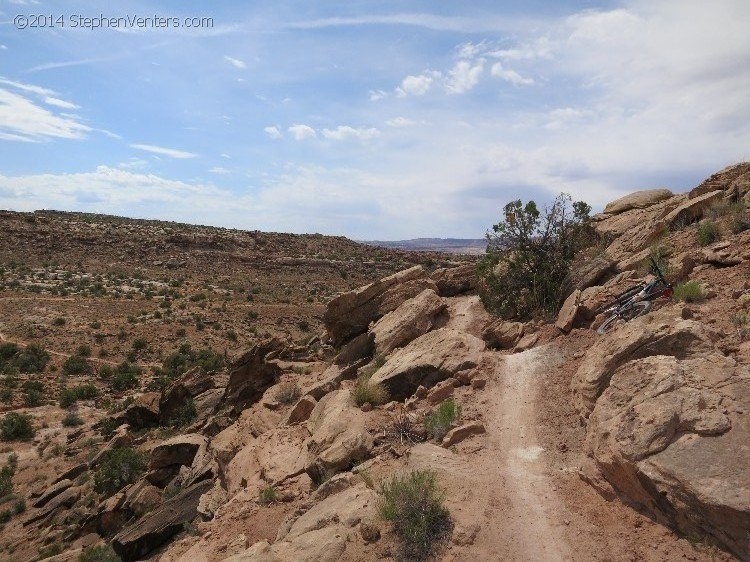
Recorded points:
(374, 120)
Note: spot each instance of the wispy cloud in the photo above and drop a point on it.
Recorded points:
(220, 170)
(23, 120)
(510, 75)
(70, 63)
(428, 21)
(398, 122)
(273, 132)
(60, 103)
(345, 132)
(162, 151)
(237, 63)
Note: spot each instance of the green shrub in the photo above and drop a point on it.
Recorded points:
(32, 359)
(59, 321)
(77, 365)
(15, 426)
(414, 506)
(101, 553)
(525, 270)
(118, 468)
(6, 481)
(69, 396)
(690, 291)
(184, 415)
(7, 351)
(707, 233)
(185, 358)
(288, 392)
(438, 422)
(368, 391)
(267, 495)
(32, 398)
(125, 376)
(139, 344)
(72, 419)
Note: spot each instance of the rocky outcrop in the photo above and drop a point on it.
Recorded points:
(667, 434)
(692, 209)
(176, 396)
(250, 375)
(637, 200)
(350, 314)
(179, 450)
(322, 533)
(338, 436)
(410, 320)
(661, 333)
(157, 527)
(427, 360)
(453, 281)
(143, 412)
(732, 179)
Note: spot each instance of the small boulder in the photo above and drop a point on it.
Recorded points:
(502, 334)
(179, 450)
(427, 360)
(143, 412)
(250, 374)
(453, 281)
(410, 320)
(567, 314)
(301, 411)
(637, 200)
(441, 391)
(460, 433)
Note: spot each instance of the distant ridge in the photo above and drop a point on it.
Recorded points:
(473, 246)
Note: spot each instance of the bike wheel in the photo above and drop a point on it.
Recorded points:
(608, 324)
(635, 310)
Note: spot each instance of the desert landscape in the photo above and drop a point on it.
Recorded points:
(180, 393)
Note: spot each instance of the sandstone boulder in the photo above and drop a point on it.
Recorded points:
(458, 434)
(54, 490)
(143, 412)
(427, 360)
(667, 434)
(692, 209)
(591, 271)
(502, 334)
(410, 320)
(176, 395)
(338, 436)
(453, 281)
(722, 180)
(637, 200)
(661, 333)
(567, 314)
(179, 450)
(250, 374)
(350, 314)
(301, 411)
(156, 528)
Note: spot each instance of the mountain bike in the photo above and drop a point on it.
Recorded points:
(636, 301)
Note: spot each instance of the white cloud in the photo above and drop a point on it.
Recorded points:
(273, 132)
(377, 95)
(106, 189)
(237, 63)
(30, 88)
(345, 132)
(302, 132)
(162, 151)
(134, 163)
(463, 76)
(417, 85)
(60, 103)
(23, 120)
(225, 155)
(220, 170)
(3, 48)
(510, 75)
(397, 122)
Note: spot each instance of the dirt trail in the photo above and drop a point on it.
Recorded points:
(512, 494)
